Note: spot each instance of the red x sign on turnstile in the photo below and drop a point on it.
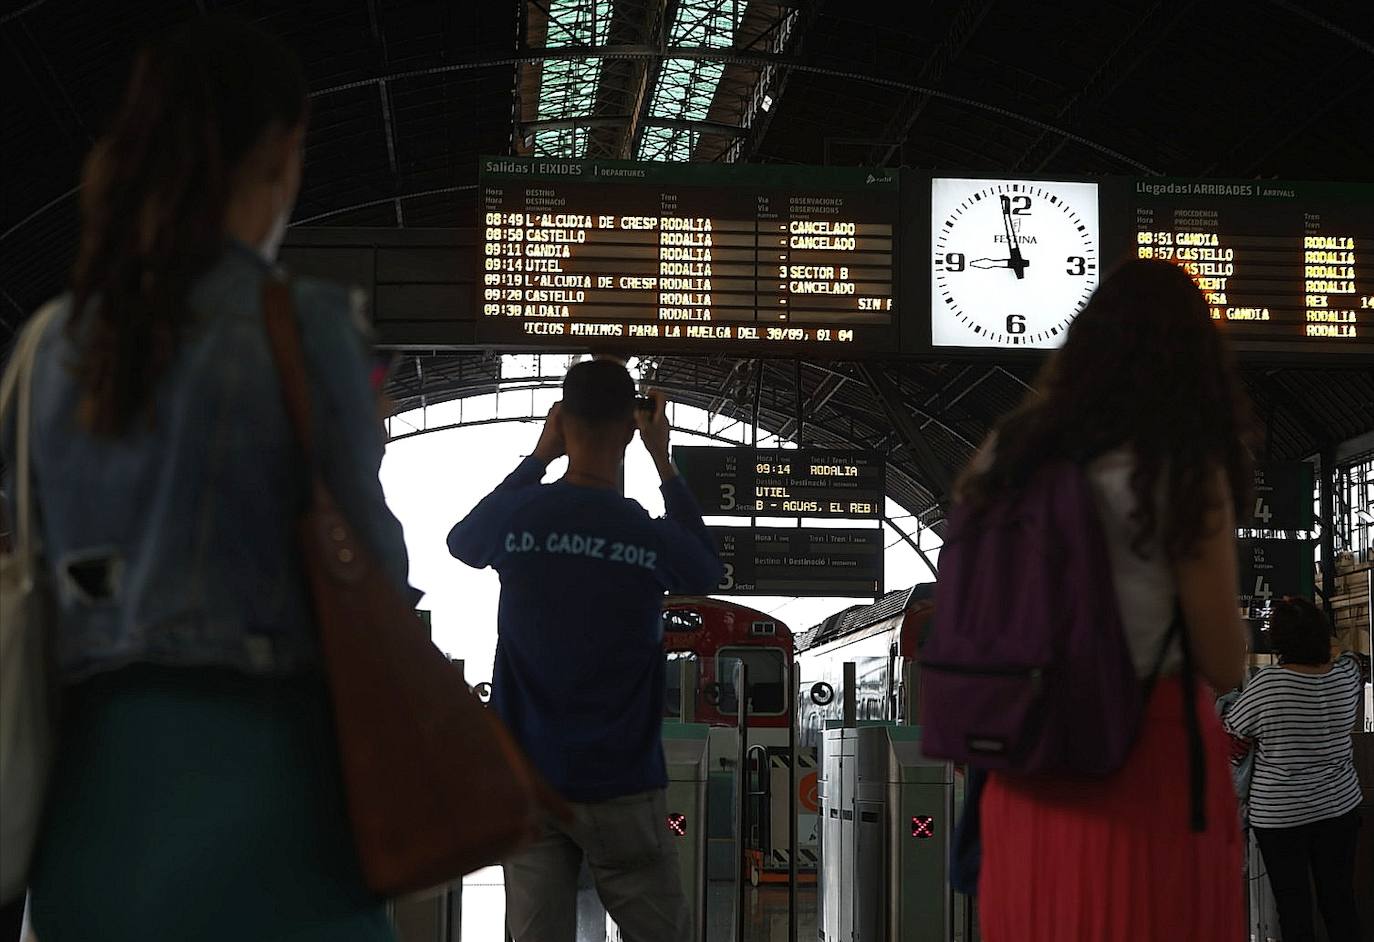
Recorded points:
(922, 826)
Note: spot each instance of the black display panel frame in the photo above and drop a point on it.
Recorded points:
(791, 551)
(734, 316)
(1263, 202)
(909, 335)
(745, 481)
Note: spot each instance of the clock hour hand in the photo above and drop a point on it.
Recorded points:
(1015, 262)
(990, 263)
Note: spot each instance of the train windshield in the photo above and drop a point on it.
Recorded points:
(767, 680)
(672, 698)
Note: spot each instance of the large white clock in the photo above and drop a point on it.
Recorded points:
(1013, 260)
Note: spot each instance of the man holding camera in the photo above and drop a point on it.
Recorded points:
(579, 675)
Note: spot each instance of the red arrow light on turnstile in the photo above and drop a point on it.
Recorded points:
(677, 823)
(922, 827)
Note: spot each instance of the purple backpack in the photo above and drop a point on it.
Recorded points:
(1027, 669)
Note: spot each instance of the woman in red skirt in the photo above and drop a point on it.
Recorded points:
(1144, 396)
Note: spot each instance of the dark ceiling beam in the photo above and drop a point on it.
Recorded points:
(913, 544)
(1277, 390)
(77, 129)
(384, 95)
(939, 480)
(819, 399)
(625, 120)
(1334, 29)
(1121, 61)
(961, 29)
(1287, 123)
(660, 27)
(773, 80)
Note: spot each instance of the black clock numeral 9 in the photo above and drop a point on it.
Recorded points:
(954, 261)
(1078, 265)
(1016, 324)
(1020, 205)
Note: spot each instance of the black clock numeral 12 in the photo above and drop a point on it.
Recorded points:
(1078, 265)
(1020, 205)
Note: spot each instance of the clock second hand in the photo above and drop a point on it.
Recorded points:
(1016, 263)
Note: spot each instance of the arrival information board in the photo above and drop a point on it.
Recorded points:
(1279, 262)
(775, 482)
(686, 256)
(813, 563)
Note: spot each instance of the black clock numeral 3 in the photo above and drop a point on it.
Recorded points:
(1078, 265)
(1016, 324)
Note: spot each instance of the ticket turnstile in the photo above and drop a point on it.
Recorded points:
(888, 816)
(685, 748)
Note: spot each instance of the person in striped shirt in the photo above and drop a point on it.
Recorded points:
(1305, 796)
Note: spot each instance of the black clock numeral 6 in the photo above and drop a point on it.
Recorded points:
(1016, 324)
(1020, 205)
(954, 261)
(1078, 265)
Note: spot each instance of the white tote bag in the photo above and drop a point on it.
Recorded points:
(26, 617)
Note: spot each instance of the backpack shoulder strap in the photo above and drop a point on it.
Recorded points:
(1197, 754)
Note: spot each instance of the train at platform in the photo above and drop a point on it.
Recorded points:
(710, 637)
(882, 639)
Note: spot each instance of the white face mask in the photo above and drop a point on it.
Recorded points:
(271, 243)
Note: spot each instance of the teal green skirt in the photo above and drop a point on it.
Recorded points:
(198, 804)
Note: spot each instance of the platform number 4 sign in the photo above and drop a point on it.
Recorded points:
(1263, 590)
(1263, 514)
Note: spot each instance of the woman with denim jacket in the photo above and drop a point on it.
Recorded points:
(196, 792)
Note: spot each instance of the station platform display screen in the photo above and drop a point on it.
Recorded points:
(686, 256)
(859, 263)
(780, 482)
(804, 562)
(1280, 263)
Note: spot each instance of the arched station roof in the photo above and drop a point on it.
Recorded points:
(407, 93)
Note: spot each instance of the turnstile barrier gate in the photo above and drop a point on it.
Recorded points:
(887, 821)
(686, 750)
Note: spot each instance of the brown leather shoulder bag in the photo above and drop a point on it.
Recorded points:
(435, 785)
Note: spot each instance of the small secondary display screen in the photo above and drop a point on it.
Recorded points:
(686, 257)
(814, 563)
(778, 482)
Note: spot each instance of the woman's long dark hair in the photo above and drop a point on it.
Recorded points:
(1144, 367)
(155, 190)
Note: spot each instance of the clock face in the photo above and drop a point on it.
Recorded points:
(1013, 261)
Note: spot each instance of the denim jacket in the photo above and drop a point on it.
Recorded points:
(176, 543)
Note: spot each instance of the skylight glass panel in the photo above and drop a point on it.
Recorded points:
(686, 88)
(568, 86)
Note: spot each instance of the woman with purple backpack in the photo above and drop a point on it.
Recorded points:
(1100, 516)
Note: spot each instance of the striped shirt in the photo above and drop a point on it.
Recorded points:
(1301, 726)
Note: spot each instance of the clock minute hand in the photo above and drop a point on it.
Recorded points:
(1015, 262)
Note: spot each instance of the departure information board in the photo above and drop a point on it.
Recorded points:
(813, 563)
(853, 263)
(686, 256)
(776, 482)
(1279, 262)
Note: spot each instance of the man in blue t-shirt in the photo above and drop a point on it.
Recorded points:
(579, 662)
